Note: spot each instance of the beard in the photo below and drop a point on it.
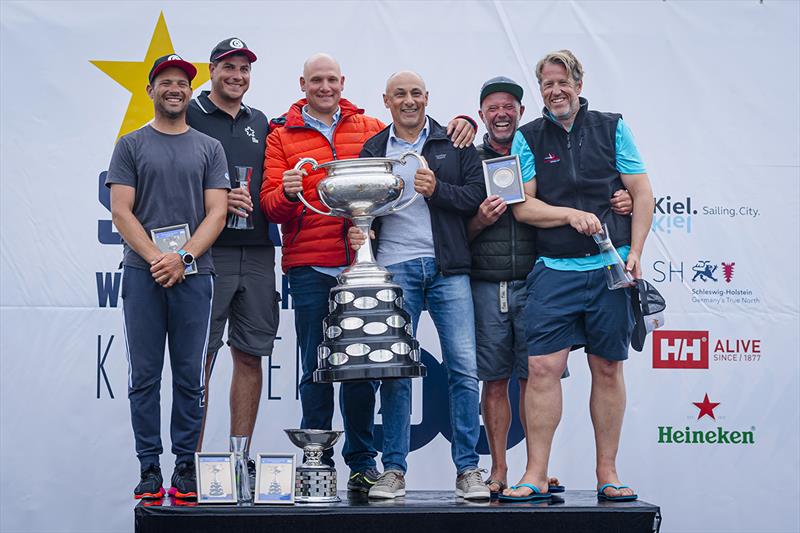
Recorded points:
(170, 113)
(503, 138)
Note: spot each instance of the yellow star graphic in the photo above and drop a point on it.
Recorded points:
(133, 76)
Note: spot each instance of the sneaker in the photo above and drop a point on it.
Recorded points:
(390, 485)
(149, 486)
(251, 473)
(184, 481)
(470, 485)
(363, 481)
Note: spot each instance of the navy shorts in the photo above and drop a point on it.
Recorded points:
(576, 309)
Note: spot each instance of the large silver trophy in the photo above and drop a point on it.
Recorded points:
(367, 334)
(315, 482)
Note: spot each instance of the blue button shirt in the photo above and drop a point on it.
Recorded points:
(407, 234)
(327, 131)
(320, 126)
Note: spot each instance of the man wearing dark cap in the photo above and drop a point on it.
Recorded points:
(164, 175)
(503, 253)
(244, 290)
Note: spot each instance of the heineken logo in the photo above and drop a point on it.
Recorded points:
(687, 435)
(718, 435)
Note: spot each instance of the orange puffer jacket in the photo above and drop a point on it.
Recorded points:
(310, 239)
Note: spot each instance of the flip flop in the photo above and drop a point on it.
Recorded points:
(554, 489)
(535, 496)
(497, 482)
(624, 498)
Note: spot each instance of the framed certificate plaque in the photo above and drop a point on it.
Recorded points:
(172, 239)
(503, 178)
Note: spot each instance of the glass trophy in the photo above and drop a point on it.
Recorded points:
(239, 449)
(616, 275)
(235, 221)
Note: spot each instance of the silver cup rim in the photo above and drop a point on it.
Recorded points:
(359, 162)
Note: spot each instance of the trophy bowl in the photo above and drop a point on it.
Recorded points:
(359, 188)
(367, 334)
(313, 438)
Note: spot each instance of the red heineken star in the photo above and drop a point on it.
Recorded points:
(706, 408)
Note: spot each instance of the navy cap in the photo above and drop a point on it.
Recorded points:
(172, 60)
(501, 84)
(231, 46)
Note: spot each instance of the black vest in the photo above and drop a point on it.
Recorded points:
(506, 250)
(577, 169)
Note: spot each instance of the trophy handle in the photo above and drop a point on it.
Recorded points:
(313, 162)
(423, 164)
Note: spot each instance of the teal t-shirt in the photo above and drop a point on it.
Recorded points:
(628, 162)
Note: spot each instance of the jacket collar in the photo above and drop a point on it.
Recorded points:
(294, 117)
(376, 145)
(489, 149)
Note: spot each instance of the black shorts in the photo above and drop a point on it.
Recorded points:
(245, 298)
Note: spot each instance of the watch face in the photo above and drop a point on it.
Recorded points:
(188, 258)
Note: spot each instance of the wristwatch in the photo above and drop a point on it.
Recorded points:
(186, 257)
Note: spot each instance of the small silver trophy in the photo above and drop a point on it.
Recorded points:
(616, 275)
(235, 221)
(367, 334)
(239, 449)
(315, 482)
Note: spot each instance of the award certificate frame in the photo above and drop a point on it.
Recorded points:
(275, 478)
(171, 239)
(503, 178)
(216, 481)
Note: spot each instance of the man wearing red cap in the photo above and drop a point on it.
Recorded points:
(166, 178)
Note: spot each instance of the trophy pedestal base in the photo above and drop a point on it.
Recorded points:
(315, 485)
(331, 375)
(367, 336)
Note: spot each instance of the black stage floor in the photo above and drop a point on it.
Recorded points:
(418, 512)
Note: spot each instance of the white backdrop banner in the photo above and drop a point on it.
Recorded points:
(710, 90)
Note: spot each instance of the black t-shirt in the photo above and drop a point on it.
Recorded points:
(244, 140)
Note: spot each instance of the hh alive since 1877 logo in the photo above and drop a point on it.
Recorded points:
(707, 429)
(683, 349)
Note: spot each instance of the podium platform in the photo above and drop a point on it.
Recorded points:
(419, 511)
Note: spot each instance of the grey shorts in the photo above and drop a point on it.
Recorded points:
(500, 336)
(245, 297)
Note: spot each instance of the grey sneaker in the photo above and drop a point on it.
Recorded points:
(391, 484)
(470, 485)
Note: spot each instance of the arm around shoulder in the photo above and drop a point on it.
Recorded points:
(641, 191)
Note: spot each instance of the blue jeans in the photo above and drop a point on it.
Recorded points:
(449, 302)
(309, 290)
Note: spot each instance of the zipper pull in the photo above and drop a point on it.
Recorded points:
(569, 144)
